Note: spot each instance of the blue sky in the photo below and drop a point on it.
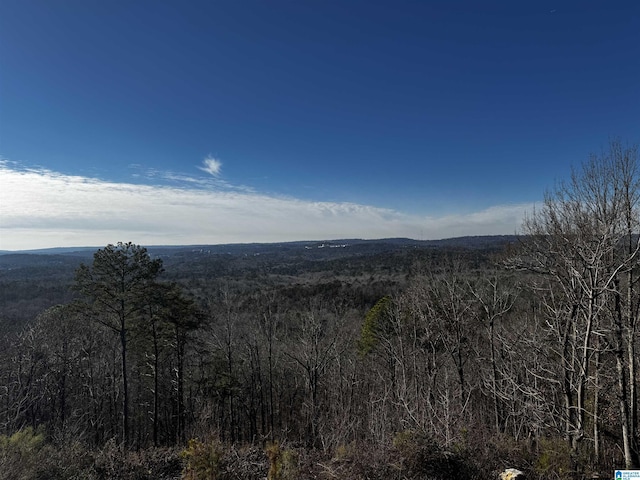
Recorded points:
(165, 122)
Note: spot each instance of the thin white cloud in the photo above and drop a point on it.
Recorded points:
(40, 208)
(165, 177)
(211, 165)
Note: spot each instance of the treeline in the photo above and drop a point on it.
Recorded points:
(468, 363)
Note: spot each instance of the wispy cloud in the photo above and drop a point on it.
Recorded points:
(41, 208)
(211, 165)
(180, 179)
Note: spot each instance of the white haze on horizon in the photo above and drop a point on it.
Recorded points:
(40, 208)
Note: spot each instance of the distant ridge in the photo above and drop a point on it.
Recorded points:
(468, 242)
(53, 251)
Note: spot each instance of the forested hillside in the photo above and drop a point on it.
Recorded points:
(356, 360)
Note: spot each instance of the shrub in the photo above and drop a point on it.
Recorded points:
(554, 458)
(205, 461)
(20, 454)
(214, 460)
(420, 456)
(283, 464)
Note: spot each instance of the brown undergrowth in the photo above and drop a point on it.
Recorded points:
(409, 455)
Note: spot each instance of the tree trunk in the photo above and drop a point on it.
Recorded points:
(623, 399)
(494, 379)
(156, 398)
(125, 385)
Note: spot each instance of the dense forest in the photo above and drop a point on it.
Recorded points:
(392, 359)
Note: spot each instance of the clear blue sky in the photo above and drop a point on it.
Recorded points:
(431, 117)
